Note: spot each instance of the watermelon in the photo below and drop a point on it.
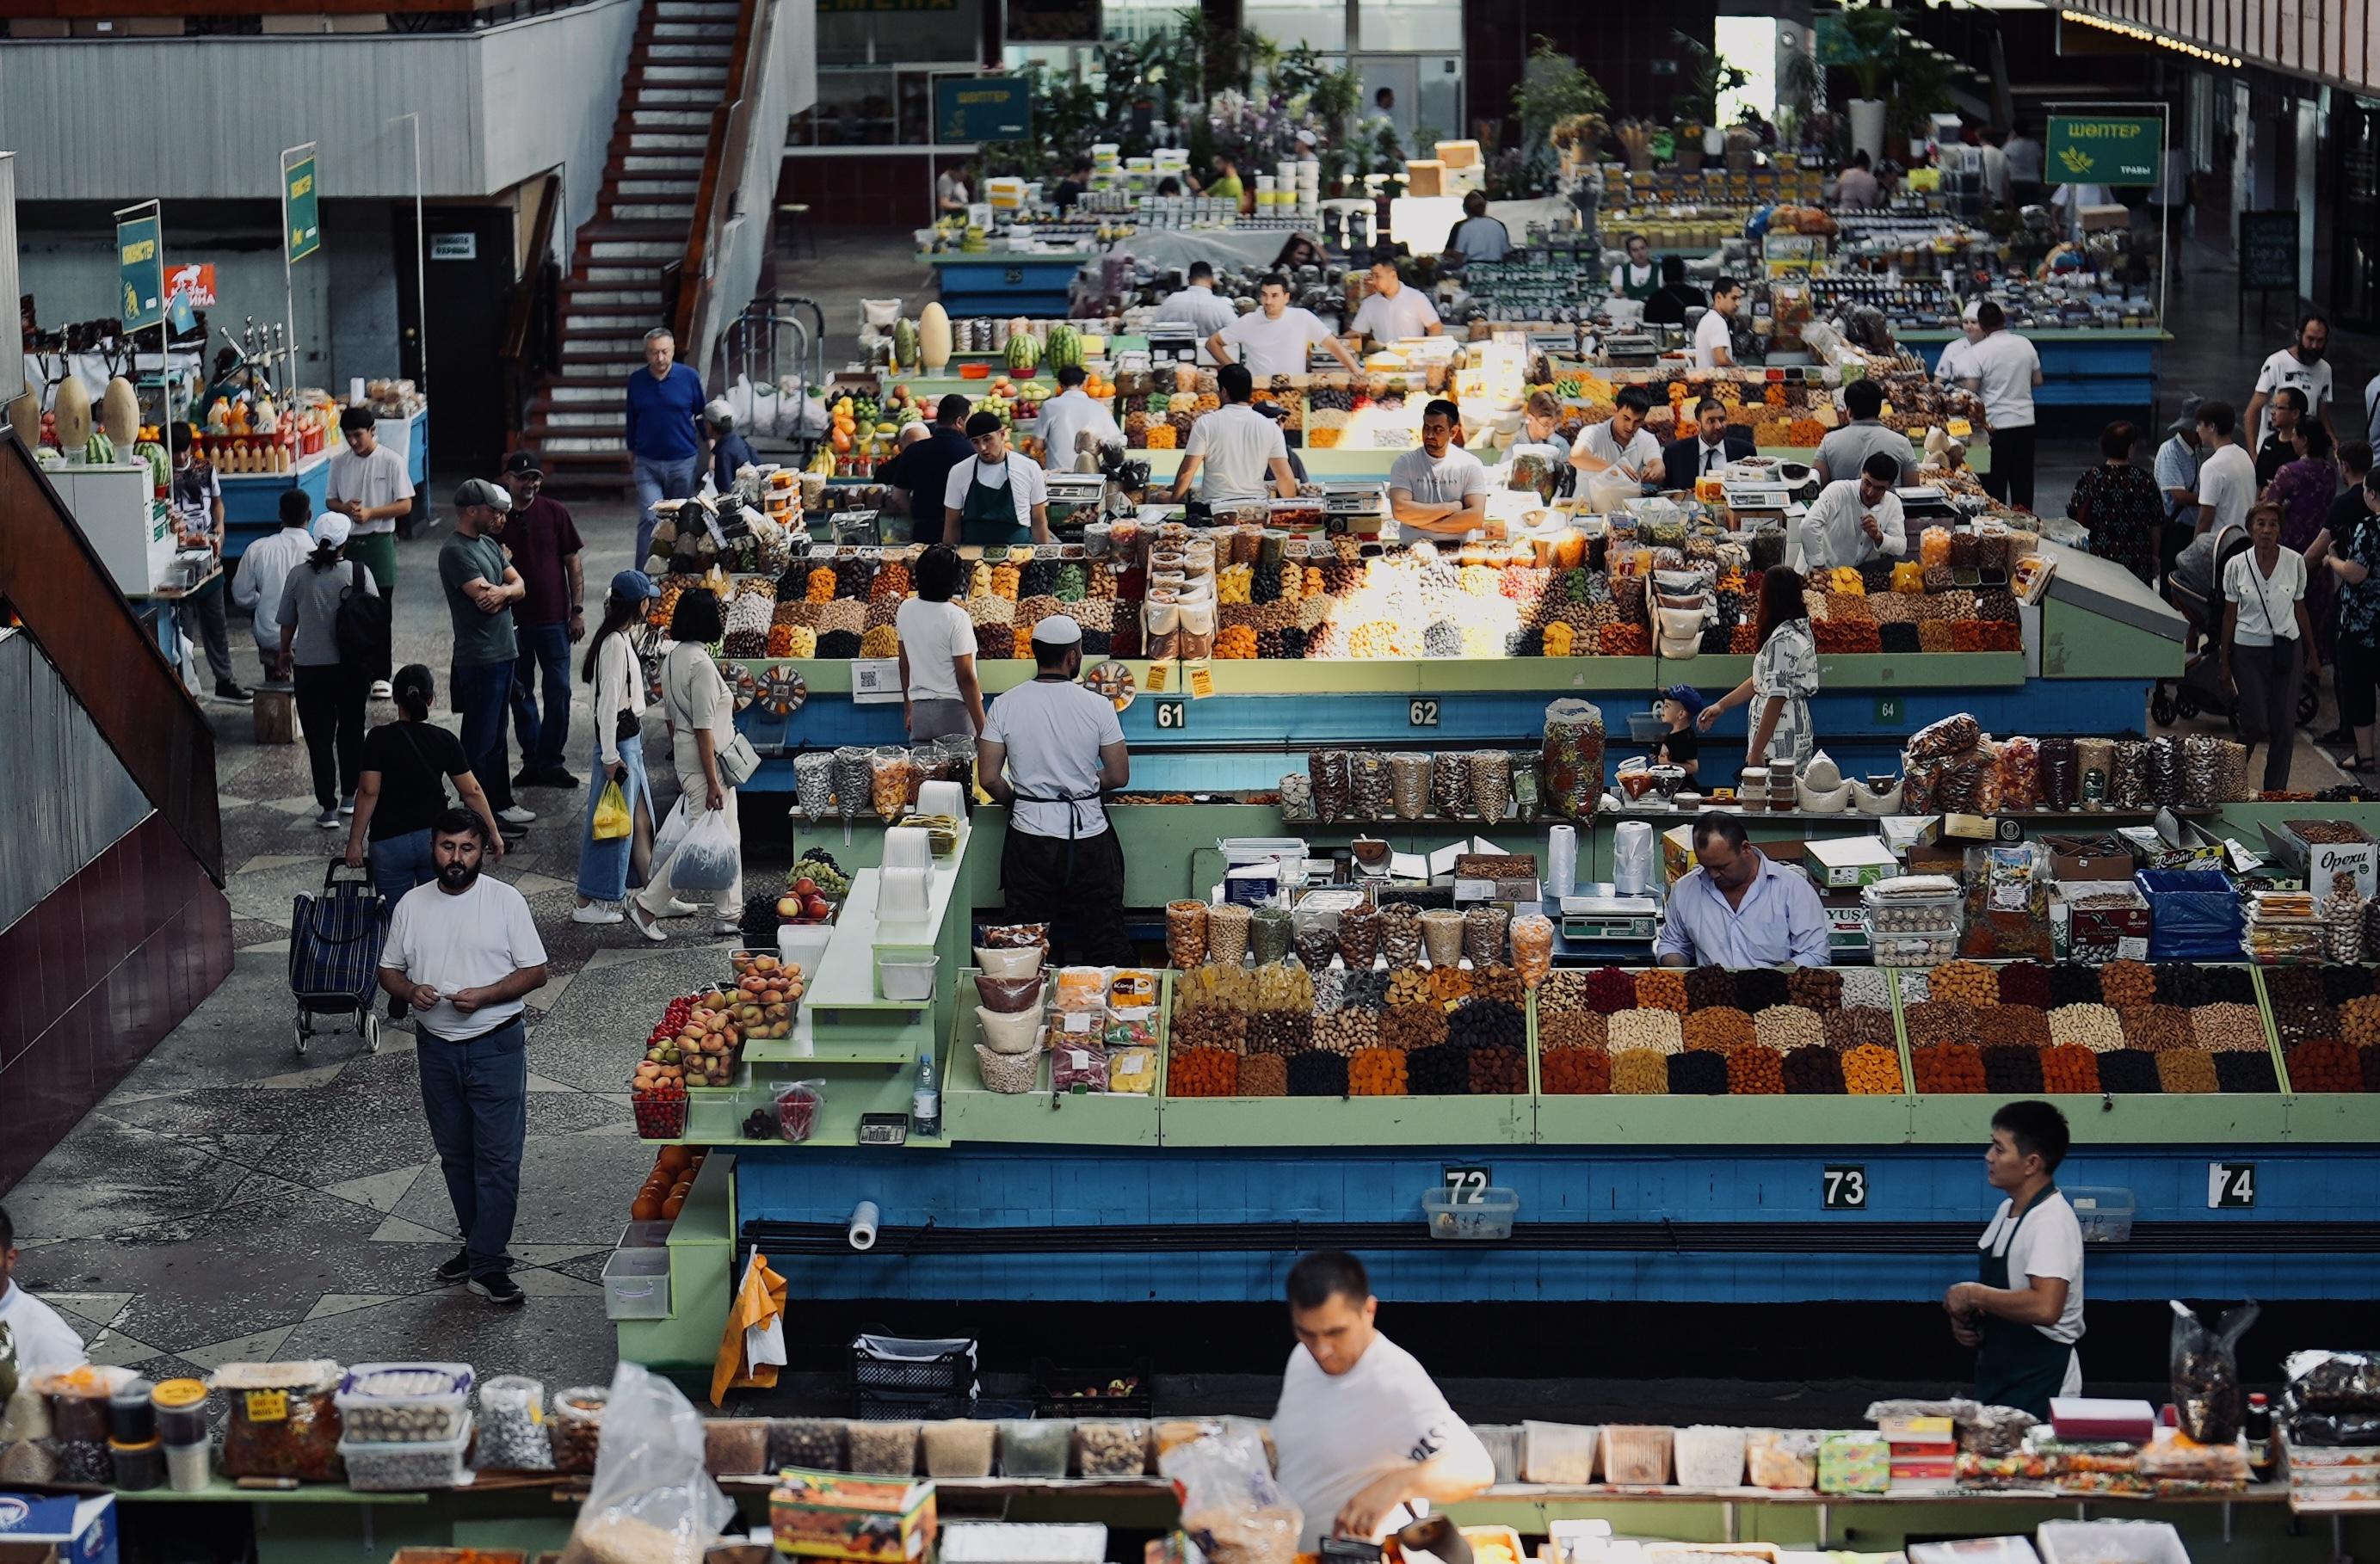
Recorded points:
(904, 344)
(161, 466)
(1023, 352)
(1066, 347)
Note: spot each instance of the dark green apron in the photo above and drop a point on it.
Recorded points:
(990, 515)
(2017, 1365)
(1631, 288)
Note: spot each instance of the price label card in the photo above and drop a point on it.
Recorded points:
(1077, 1023)
(1158, 674)
(268, 1406)
(1202, 681)
(875, 680)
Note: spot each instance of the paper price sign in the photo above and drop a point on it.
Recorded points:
(1202, 681)
(1158, 674)
(875, 680)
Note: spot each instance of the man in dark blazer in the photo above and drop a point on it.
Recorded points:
(1709, 448)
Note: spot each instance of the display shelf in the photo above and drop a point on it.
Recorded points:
(2141, 1118)
(1274, 1122)
(2332, 1115)
(1934, 670)
(973, 1112)
(1608, 1119)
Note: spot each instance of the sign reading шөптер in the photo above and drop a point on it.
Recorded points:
(142, 270)
(2103, 149)
(982, 108)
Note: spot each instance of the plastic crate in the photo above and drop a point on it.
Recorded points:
(1057, 1388)
(376, 1414)
(1485, 1217)
(398, 1468)
(896, 1377)
(636, 1284)
(2105, 1215)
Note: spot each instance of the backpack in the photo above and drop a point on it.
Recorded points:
(362, 627)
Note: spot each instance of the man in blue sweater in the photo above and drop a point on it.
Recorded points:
(663, 433)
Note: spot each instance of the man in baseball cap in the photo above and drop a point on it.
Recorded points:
(1049, 748)
(544, 541)
(481, 587)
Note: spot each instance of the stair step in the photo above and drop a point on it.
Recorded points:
(606, 345)
(655, 211)
(579, 296)
(636, 250)
(673, 30)
(689, 166)
(654, 186)
(586, 393)
(663, 119)
(617, 419)
(682, 75)
(695, 10)
(659, 143)
(712, 50)
(607, 323)
(585, 445)
(622, 276)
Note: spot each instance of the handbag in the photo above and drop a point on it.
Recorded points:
(737, 760)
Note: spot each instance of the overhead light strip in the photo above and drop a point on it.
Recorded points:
(2162, 41)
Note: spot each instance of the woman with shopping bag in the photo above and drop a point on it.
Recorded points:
(617, 840)
(711, 759)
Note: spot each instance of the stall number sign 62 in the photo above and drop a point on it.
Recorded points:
(1846, 1188)
(1467, 1186)
(1422, 713)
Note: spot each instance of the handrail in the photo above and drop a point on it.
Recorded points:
(526, 348)
(520, 309)
(59, 590)
(719, 181)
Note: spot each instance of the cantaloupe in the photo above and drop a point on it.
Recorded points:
(72, 405)
(119, 412)
(934, 337)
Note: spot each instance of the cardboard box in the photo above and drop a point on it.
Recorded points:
(2087, 857)
(2317, 862)
(1458, 154)
(39, 1530)
(1424, 176)
(2170, 842)
(1850, 861)
(2097, 935)
(868, 1519)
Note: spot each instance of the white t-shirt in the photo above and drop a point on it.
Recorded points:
(2226, 480)
(1338, 1434)
(2048, 1242)
(1275, 347)
(1053, 729)
(1392, 320)
(45, 1342)
(1235, 445)
(1201, 307)
(2285, 367)
(1065, 416)
(2004, 364)
(1958, 361)
(1597, 441)
(463, 941)
(933, 635)
(1711, 334)
(1030, 488)
(374, 481)
(1996, 173)
(1441, 480)
(2268, 604)
(1829, 534)
(949, 187)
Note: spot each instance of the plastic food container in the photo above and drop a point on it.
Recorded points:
(1503, 1442)
(2110, 1541)
(132, 1417)
(813, 1443)
(1782, 1458)
(1558, 1452)
(396, 1467)
(884, 1449)
(1105, 1447)
(1911, 950)
(1909, 914)
(181, 1407)
(1487, 1215)
(735, 1446)
(188, 1468)
(139, 1465)
(577, 1428)
(512, 1426)
(959, 1448)
(1635, 1454)
(1035, 1448)
(405, 1402)
(907, 979)
(1709, 1457)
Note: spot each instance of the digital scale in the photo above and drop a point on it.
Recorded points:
(1076, 498)
(854, 529)
(1171, 342)
(1354, 506)
(1598, 911)
(1925, 502)
(1631, 347)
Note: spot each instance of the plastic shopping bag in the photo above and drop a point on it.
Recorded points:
(2206, 1371)
(612, 813)
(1231, 1504)
(709, 858)
(652, 1501)
(672, 833)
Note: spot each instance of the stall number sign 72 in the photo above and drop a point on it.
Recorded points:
(1467, 1186)
(1846, 1188)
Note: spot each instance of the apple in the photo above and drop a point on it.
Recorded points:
(816, 906)
(789, 907)
(804, 886)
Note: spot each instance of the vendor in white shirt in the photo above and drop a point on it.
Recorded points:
(1855, 520)
(2023, 1313)
(1639, 276)
(1442, 489)
(1068, 415)
(1714, 339)
(1241, 455)
(1366, 1438)
(1391, 311)
(1000, 497)
(1956, 362)
(1199, 305)
(1623, 445)
(45, 1343)
(1273, 341)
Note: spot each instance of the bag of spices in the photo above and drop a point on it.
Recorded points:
(2205, 1372)
(284, 1422)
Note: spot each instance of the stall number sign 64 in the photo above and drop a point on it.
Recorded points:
(1845, 1188)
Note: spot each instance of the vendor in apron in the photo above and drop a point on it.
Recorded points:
(2023, 1313)
(1638, 277)
(1000, 497)
(1050, 749)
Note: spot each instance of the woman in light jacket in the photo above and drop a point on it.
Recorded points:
(1784, 677)
(611, 666)
(330, 693)
(700, 712)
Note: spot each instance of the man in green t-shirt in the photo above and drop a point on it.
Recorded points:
(482, 587)
(1225, 184)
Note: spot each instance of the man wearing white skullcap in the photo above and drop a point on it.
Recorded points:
(1049, 748)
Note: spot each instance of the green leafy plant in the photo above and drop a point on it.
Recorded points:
(1921, 88)
(1704, 77)
(1872, 34)
(1552, 88)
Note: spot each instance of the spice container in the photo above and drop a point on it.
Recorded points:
(578, 1429)
(132, 1417)
(1491, 783)
(188, 1468)
(735, 1446)
(812, 1443)
(396, 1403)
(181, 1412)
(409, 1465)
(1110, 1448)
(1035, 1448)
(886, 1449)
(139, 1465)
(959, 1448)
(285, 1420)
(78, 1403)
(1635, 1454)
(1185, 933)
(1442, 933)
(1227, 933)
(1409, 784)
(1270, 934)
(1400, 929)
(1483, 933)
(512, 1426)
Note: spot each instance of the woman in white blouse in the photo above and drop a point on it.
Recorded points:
(611, 666)
(700, 711)
(1784, 677)
(2264, 632)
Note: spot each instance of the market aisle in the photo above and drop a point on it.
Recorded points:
(231, 1201)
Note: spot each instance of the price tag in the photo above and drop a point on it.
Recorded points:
(1077, 1023)
(875, 680)
(1081, 1058)
(1202, 681)
(268, 1406)
(2230, 1186)
(1467, 1182)
(1845, 1187)
(1157, 674)
(1422, 713)
(1172, 715)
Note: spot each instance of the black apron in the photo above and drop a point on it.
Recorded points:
(988, 514)
(2017, 1365)
(1042, 877)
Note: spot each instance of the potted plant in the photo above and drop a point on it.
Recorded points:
(1871, 37)
(1552, 88)
(1704, 77)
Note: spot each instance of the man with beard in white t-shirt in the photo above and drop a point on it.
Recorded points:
(1366, 1440)
(1277, 336)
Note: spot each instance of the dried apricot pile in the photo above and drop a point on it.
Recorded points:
(2324, 1064)
(1947, 1068)
(1661, 988)
(2070, 1067)
(1966, 981)
(1870, 1070)
(1755, 1071)
(1202, 1071)
(1376, 1072)
(1575, 1072)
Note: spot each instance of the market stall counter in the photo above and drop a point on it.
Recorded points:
(989, 282)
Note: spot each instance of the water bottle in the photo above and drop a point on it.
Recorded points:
(926, 1101)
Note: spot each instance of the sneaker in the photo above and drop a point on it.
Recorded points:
(381, 690)
(229, 689)
(328, 819)
(595, 911)
(557, 777)
(455, 1270)
(523, 779)
(642, 921)
(347, 804)
(500, 1290)
(515, 815)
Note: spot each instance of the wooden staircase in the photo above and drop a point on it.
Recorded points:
(624, 266)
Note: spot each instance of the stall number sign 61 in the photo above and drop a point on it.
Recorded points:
(1173, 715)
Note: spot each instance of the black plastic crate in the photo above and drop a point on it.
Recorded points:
(888, 1389)
(1055, 1387)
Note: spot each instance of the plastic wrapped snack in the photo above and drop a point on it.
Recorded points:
(1227, 933)
(1111, 1447)
(1185, 932)
(1326, 773)
(2205, 1369)
(284, 1422)
(1781, 1458)
(1449, 785)
(1081, 991)
(814, 783)
(1947, 735)
(577, 1428)
(1572, 773)
(1270, 934)
(1533, 946)
(1854, 1464)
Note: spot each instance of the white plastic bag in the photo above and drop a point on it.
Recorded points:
(652, 1501)
(672, 833)
(1231, 1505)
(811, 419)
(709, 858)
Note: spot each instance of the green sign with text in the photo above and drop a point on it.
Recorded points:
(140, 267)
(2103, 149)
(299, 204)
(982, 108)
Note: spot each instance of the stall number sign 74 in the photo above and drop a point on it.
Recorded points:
(2230, 1186)
(1845, 1188)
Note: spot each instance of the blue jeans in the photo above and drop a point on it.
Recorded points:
(543, 734)
(476, 1095)
(603, 866)
(676, 478)
(400, 863)
(481, 692)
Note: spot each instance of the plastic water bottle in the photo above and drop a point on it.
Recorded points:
(926, 1101)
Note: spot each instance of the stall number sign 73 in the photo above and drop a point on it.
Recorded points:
(1846, 1188)
(1467, 1186)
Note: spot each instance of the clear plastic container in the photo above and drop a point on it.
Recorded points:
(1487, 1213)
(397, 1468)
(1782, 1459)
(188, 1468)
(1709, 1457)
(391, 1403)
(578, 1428)
(1560, 1453)
(1636, 1454)
(735, 1446)
(907, 979)
(1910, 913)
(2105, 1215)
(1911, 950)
(512, 1426)
(1111, 1447)
(636, 1284)
(1036, 1446)
(959, 1448)
(1503, 1442)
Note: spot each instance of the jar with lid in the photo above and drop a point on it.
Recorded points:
(131, 1416)
(180, 1407)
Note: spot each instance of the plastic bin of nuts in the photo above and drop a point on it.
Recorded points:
(391, 1403)
(410, 1464)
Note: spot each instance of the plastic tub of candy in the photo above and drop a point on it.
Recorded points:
(405, 1402)
(408, 1464)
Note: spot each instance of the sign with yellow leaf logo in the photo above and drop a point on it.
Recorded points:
(2103, 149)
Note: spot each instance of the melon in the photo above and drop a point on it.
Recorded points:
(934, 337)
(72, 405)
(904, 344)
(1023, 352)
(25, 418)
(1066, 347)
(119, 412)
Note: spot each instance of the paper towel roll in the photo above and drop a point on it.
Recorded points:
(864, 1219)
(1561, 859)
(1632, 858)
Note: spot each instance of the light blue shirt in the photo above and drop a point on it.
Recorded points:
(2177, 467)
(1779, 921)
